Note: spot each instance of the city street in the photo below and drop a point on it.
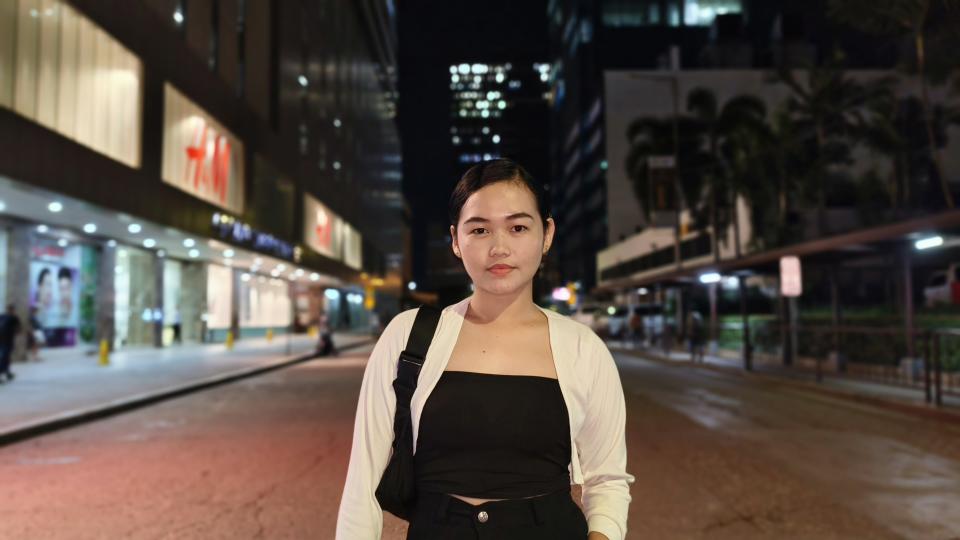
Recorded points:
(715, 456)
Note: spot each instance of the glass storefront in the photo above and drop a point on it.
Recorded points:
(135, 297)
(64, 72)
(264, 304)
(344, 309)
(172, 310)
(219, 301)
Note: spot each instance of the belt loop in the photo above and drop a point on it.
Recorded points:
(442, 507)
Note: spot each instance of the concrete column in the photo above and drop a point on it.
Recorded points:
(235, 303)
(794, 323)
(783, 316)
(158, 300)
(712, 290)
(106, 300)
(908, 301)
(18, 282)
(836, 319)
(747, 354)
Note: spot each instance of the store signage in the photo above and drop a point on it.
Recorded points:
(791, 281)
(229, 228)
(328, 234)
(199, 155)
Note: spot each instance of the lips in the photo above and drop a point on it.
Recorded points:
(500, 269)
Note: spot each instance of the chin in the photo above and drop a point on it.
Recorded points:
(511, 285)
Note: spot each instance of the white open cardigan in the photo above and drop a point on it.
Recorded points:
(591, 390)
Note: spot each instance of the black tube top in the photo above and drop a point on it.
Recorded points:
(493, 437)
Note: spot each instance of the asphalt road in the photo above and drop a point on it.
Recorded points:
(715, 455)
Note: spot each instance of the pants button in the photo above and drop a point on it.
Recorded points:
(482, 517)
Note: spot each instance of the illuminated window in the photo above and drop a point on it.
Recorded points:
(628, 13)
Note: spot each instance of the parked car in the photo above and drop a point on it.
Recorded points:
(943, 287)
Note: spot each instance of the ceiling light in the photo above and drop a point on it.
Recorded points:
(927, 243)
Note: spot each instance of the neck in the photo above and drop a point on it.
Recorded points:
(488, 308)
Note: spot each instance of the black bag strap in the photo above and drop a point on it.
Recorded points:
(413, 356)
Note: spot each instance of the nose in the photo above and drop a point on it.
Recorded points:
(499, 247)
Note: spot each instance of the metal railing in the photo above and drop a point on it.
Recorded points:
(927, 360)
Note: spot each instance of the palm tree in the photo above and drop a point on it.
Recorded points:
(923, 21)
(826, 109)
(772, 151)
(722, 129)
(654, 136)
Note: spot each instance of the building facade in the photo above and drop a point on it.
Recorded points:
(180, 169)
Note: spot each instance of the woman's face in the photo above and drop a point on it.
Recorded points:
(500, 237)
(45, 292)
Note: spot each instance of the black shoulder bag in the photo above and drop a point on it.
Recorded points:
(397, 490)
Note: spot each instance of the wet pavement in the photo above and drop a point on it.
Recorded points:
(716, 455)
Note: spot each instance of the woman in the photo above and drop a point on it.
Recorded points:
(513, 402)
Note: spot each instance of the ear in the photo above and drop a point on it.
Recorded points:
(453, 241)
(548, 235)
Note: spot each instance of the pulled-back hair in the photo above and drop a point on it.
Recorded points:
(489, 172)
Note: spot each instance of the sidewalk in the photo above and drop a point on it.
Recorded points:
(885, 395)
(70, 387)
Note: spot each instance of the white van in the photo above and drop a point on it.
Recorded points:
(940, 286)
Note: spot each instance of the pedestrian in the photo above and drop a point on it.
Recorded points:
(697, 336)
(177, 325)
(636, 327)
(513, 402)
(9, 328)
(35, 336)
(325, 346)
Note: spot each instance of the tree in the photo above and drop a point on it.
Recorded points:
(722, 128)
(826, 109)
(925, 22)
(654, 136)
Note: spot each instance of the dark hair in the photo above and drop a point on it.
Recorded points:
(43, 274)
(489, 172)
(64, 273)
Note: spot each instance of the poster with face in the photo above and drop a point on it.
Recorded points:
(55, 294)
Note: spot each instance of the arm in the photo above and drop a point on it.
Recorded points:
(603, 450)
(360, 516)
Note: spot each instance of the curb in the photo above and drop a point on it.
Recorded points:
(915, 409)
(50, 424)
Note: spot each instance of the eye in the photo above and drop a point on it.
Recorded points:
(519, 228)
(478, 230)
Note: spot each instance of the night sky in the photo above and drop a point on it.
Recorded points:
(434, 35)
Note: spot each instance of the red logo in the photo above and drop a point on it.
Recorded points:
(324, 228)
(208, 162)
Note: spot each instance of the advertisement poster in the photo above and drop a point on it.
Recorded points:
(55, 293)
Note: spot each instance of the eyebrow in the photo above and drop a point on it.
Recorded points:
(518, 215)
